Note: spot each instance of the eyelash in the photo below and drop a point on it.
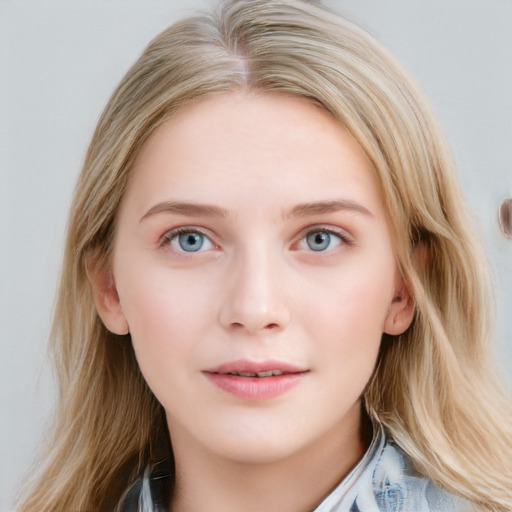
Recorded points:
(170, 236)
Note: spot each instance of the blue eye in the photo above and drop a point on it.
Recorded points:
(190, 241)
(322, 240)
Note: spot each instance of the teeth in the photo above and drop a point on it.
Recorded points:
(268, 373)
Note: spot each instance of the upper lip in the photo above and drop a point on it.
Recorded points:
(256, 367)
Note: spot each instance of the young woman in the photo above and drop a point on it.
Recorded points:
(271, 298)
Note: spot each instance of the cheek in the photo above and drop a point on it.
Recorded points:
(168, 316)
(349, 345)
(347, 313)
(154, 296)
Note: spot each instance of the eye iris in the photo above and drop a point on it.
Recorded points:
(191, 242)
(318, 241)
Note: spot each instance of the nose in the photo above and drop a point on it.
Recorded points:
(255, 300)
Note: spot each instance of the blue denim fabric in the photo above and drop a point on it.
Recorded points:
(382, 481)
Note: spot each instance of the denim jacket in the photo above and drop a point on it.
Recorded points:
(382, 481)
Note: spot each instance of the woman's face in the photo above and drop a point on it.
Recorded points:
(254, 269)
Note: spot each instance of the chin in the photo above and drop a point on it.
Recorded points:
(257, 452)
(261, 443)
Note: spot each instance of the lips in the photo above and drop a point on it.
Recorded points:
(249, 380)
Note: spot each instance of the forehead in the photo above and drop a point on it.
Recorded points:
(269, 143)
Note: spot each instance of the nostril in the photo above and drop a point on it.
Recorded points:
(237, 326)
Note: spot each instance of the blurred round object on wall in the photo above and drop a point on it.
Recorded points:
(505, 217)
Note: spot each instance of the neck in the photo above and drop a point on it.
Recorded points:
(207, 481)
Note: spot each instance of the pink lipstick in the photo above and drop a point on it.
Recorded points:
(249, 380)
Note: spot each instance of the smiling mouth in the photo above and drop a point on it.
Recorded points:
(256, 381)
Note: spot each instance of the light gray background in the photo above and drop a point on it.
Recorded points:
(59, 61)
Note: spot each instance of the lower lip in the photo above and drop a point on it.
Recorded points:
(255, 388)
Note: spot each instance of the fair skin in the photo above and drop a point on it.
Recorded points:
(283, 262)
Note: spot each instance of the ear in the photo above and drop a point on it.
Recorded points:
(401, 309)
(106, 298)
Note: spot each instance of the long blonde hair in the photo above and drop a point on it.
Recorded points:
(434, 388)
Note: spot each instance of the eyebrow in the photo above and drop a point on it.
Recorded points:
(187, 208)
(301, 210)
(331, 206)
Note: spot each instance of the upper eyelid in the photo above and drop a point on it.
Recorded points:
(170, 233)
(336, 234)
(327, 228)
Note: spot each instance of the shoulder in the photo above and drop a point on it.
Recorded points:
(394, 481)
(385, 481)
